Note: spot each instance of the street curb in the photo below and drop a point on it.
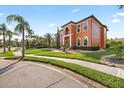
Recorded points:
(8, 67)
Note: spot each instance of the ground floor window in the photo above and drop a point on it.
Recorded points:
(78, 42)
(85, 41)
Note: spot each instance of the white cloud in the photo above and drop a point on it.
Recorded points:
(120, 14)
(1, 14)
(115, 21)
(51, 25)
(114, 15)
(75, 10)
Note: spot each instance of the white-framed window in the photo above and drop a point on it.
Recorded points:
(85, 26)
(78, 41)
(78, 28)
(85, 41)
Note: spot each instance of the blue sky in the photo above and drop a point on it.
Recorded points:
(45, 19)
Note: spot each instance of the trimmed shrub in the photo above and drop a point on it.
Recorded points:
(107, 45)
(92, 48)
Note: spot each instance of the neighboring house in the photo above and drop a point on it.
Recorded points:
(87, 32)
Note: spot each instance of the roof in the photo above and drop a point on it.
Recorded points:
(91, 16)
(68, 23)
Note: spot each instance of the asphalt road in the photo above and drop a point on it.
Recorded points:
(33, 75)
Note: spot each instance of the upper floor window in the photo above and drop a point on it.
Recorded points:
(78, 28)
(66, 31)
(85, 26)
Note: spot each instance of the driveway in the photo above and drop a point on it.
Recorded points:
(36, 75)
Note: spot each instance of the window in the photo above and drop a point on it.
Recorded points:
(66, 31)
(85, 41)
(85, 25)
(78, 42)
(78, 28)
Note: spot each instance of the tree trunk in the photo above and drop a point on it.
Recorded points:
(27, 44)
(49, 42)
(57, 39)
(23, 43)
(9, 48)
(4, 43)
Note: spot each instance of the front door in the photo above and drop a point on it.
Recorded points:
(67, 42)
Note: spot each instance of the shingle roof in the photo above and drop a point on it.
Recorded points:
(91, 16)
(68, 23)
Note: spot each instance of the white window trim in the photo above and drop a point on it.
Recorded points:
(87, 25)
(87, 40)
(77, 28)
(77, 41)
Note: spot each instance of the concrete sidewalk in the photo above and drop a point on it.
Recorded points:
(103, 68)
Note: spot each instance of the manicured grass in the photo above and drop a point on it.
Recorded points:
(98, 55)
(91, 56)
(103, 78)
(6, 54)
(34, 51)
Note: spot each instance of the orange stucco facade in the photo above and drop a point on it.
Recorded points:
(87, 32)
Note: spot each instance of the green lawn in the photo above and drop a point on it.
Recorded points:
(6, 54)
(98, 55)
(34, 51)
(91, 56)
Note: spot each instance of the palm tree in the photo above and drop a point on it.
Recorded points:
(48, 39)
(29, 36)
(9, 34)
(22, 27)
(3, 29)
(57, 39)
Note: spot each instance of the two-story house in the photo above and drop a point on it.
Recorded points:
(87, 32)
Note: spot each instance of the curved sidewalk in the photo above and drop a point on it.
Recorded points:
(103, 68)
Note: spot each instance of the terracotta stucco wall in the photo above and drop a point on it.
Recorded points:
(96, 33)
(84, 33)
(73, 35)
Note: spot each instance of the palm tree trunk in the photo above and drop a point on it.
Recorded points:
(9, 44)
(27, 44)
(4, 43)
(49, 42)
(23, 43)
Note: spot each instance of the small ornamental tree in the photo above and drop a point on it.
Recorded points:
(120, 50)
